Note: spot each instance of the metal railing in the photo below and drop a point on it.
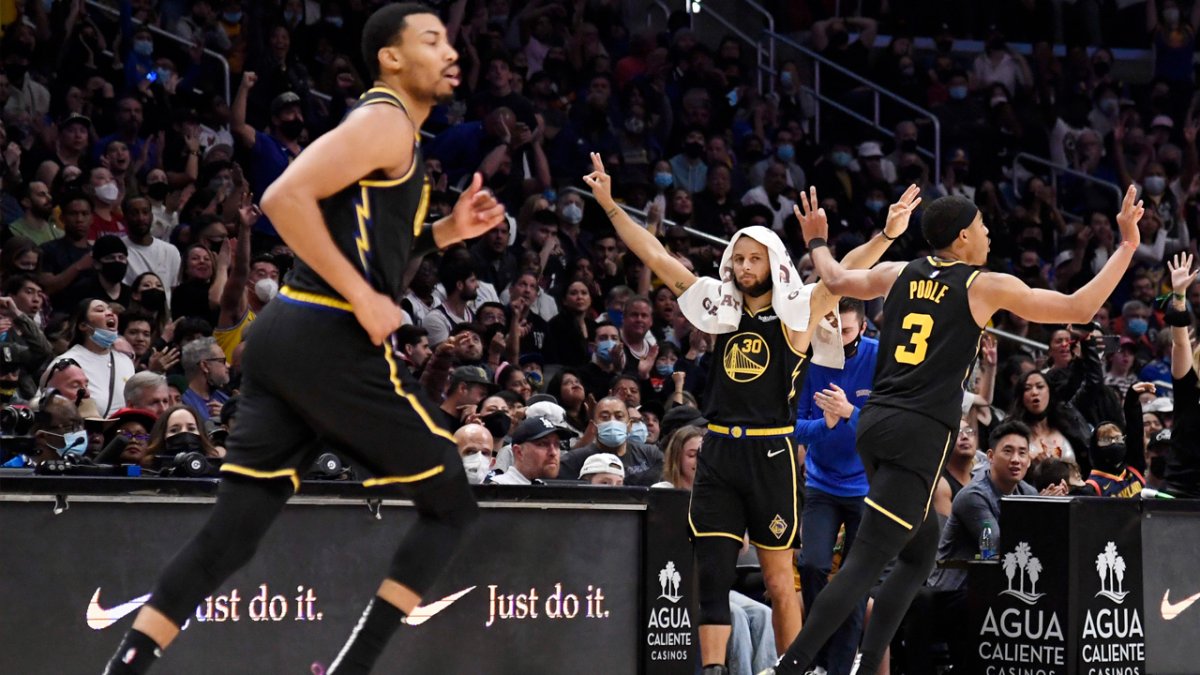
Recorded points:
(666, 10)
(1021, 340)
(758, 47)
(1058, 169)
(820, 63)
(173, 37)
(642, 214)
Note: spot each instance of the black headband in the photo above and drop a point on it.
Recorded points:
(945, 218)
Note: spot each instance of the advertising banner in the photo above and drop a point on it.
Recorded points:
(535, 590)
(1106, 596)
(1171, 542)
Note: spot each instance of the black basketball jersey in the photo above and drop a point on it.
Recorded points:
(375, 221)
(755, 374)
(928, 340)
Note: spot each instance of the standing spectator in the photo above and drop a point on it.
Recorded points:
(1056, 429)
(207, 372)
(110, 259)
(835, 480)
(270, 153)
(93, 332)
(570, 331)
(144, 252)
(148, 391)
(106, 194)
(770, 194)
(1174, 40)
(688, 169)
(638, 342)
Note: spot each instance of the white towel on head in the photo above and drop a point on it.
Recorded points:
(715, 305)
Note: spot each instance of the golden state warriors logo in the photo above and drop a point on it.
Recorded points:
(746, 357)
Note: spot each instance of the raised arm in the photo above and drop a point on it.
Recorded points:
(1182, 276)
(644, 245)
(855, 283)
(243, 132)
(1004, 291)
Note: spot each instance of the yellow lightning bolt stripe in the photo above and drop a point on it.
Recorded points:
(362, 240)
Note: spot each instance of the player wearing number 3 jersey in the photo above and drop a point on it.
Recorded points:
(934, 313)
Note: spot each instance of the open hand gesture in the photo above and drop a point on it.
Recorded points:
(476, 211)
(1131, 213)
(1182, 274)
(813, 222)
(900, 212)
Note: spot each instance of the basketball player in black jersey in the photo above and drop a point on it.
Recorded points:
(934, 314)
(319, 364)
(746, 477)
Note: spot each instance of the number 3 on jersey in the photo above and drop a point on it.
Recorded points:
(913, 353)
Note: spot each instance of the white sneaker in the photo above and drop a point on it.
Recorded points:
(857, 661)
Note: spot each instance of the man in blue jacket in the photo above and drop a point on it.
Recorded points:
(835, 481)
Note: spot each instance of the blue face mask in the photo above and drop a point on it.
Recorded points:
(785, 78)
(875, 205)
(1137, 327)
(74, 443)
(143, 47)
(232, 17)
(105, 338)
(841, 159)
(665, 369)
(785, 152)
(663, 179)
(604, 350)
(638, 432)
(958, 93)
(612, 434)
(164, 74)
(335, 21)
(289, 16)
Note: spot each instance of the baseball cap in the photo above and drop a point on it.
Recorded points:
(552, 411)
(1162, 404)
(870, 149)
(283, 101)
(540, 398)
(74, 118)
(146, 417)
(1161, 438)
(602, 462)
(534, 428)
(471, 375)
(1162, 121)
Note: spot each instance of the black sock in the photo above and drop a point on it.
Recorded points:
(135, 655)
(379, 620)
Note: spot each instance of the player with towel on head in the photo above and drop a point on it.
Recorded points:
(765, 320)
(934, 315)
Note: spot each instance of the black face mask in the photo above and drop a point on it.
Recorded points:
(183, 442)
(158, 191)
(154, 299)
(113, 272)
(497, 423)
(1109, 458)
(693, 150)
(852, 348)
(1158, 465)
(291, 129)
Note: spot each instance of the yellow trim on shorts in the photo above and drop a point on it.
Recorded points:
(388, 480)
(264, 475)
(795, 506)
(889, 514)
(393, 375)
(739, 432)
(952, 434)
(315, 299)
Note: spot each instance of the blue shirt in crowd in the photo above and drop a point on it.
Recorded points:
(268, 160)
(832, 464)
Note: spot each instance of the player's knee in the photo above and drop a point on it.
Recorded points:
(779, 582)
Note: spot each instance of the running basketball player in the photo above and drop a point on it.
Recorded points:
(352, 207)
(746, 478)
(933, 318)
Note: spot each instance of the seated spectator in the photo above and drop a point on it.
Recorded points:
(57, 431)
(461, 290)
(180, 429)
(207, 372)
(37, 224)
(138, 329)
(412, 344)
(610, 431)
(535, 452)
(1112, 475)
(512, 378)
(468, 386)
(134, 426)
(603, 469)
(93, 334)
(608, 359)
(148, 391)
(150, 296)
(771, 194)
(475, 447)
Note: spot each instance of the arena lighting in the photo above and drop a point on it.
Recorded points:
(693, 6)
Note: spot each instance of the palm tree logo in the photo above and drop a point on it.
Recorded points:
(1021, 560)
(668, 578)
(1110, 566)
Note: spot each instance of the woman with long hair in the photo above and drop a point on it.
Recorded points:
(1057, 428)
(568, 333)
(93, 332)
(196, 275)
(150, 296)
(567, 387)
(679, 460)
(177, 430)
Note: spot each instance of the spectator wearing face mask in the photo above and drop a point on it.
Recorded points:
(110, 263)
(608, 432)
(57, 431)
(180, 429)
(688, 169)
(270, 153)
(105, 193)
(94, 331)
(475, 447)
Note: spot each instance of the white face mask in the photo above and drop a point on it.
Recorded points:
(108, 192)
(266, 289)
(477, 466)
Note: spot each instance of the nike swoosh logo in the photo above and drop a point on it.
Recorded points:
(423, 613)
(1170, 610)
(772, 453)
(99, 618)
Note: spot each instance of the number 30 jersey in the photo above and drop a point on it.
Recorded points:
(755, 374)
(928, 340)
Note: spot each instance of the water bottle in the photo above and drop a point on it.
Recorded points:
(987, 546)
